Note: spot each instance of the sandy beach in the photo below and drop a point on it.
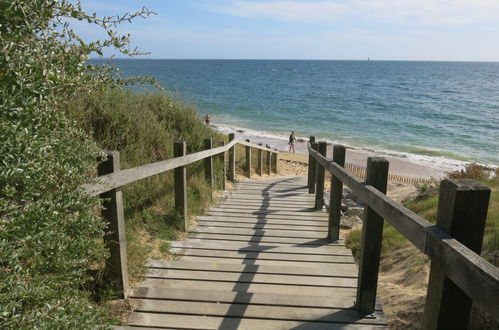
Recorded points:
(398, 165)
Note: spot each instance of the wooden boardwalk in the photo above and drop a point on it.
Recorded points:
(257, 261)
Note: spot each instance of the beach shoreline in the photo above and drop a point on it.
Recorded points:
(399, 165)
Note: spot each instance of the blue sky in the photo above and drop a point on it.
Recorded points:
(457, 30)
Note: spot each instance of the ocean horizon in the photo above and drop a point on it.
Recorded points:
(432, 112)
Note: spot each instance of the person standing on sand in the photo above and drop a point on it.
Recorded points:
(292, 141)
(207, 119)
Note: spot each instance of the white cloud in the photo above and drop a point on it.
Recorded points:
(420, 12)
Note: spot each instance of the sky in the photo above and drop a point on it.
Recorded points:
(442, 30)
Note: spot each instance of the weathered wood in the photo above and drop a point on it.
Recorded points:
(208, 164)
(470, 272)
(313, 169)
(259, 169)
(345, 270)
(462, 213)
(203, 275)
(268, 233)
(305, 290)
(248, 143)
(372, 235)
(255, 311)
(248, 160)
(319, 190)
(336, 195)
(275, 161)
(242, 297)
(310, 159)
(123, 177)
(232, 159)
(180, 182)
(223, 159)
(112, 213)
(178, 321)
(269, 161)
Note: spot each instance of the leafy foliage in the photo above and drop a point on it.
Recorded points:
(47, 226)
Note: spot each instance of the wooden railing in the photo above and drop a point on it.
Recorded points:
(458, 275)
(111, 178)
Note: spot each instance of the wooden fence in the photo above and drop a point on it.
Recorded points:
(361, 173)
(112, 178)
(458, 275)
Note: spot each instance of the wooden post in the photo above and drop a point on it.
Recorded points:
(248, 160)
(336, 196)
(269, 160)
(112, 213)
(259, 169)
(313, 170)
(223, 160)
(208, 164)
(232, 160)
(372, 234)
(462, 213)
(311, 140)
(274, 162)
(319, 191)
(179, 150)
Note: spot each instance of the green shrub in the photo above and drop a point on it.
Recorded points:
(48, 227)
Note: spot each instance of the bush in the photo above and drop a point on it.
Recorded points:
(48, 227)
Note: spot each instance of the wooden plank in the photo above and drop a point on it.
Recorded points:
(180, 184)
(372, 236)
(254, 145)
(319, 259)
(462, 212)
(258, 232)
(268, 208)
(256, 311)
(112, 213)
(244, 297)
(248, 160)
(253, 278)
(232, 159)
(320, 176)
(286, 263)
(208, 164)
(260, 239)
(313, 169)
(336, 195)
(305, 290)
(264, 217)
(123, 177)
(260, 226)
(345, 270)
(255, 211)
(251, 220)
(211, 322)
(326, 250)
(283, 203)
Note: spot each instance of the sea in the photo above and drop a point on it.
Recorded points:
(429, 112)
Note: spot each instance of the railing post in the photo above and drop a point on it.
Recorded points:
(269, 160)
(208, 164)
(319, 191)
(274, 162)
(224, 171)
(311, 140)
(259, 169)
(313, 170)
(336, 196)
(232, 159)
(112, 212)
(248, 160)
(462, 213)
(372, 234)
(179, 150)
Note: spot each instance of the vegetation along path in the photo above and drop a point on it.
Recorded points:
(260, 260)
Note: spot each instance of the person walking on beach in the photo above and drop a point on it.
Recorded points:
(292, 141)
(207, 119)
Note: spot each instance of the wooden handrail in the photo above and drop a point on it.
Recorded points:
(120, 178)
(478, 278)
